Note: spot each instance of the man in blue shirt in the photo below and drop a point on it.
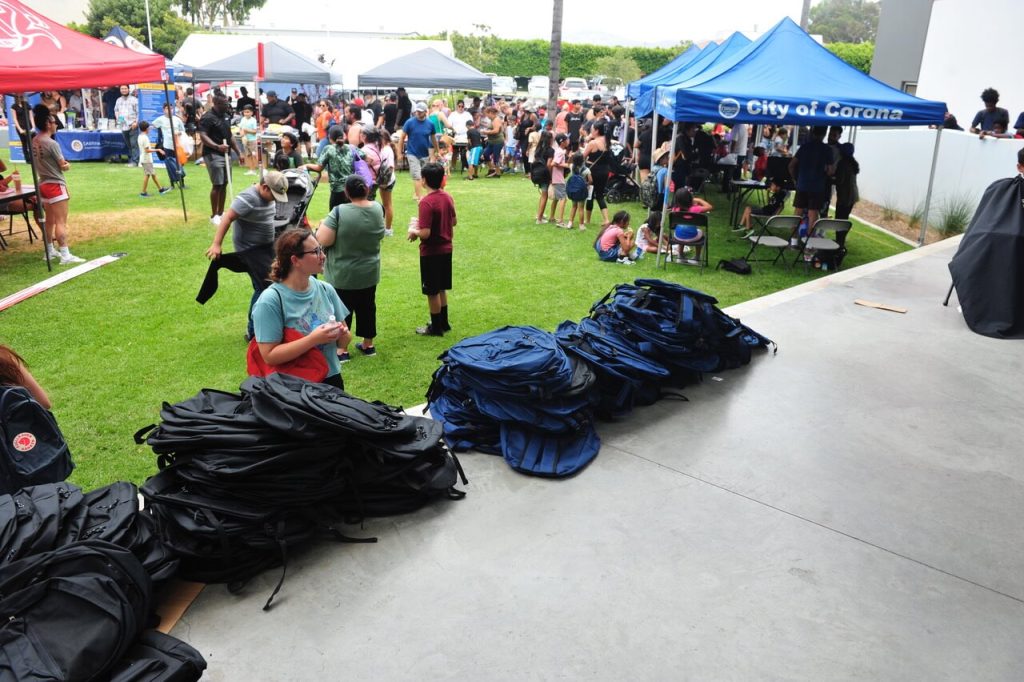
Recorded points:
(419, 144)
(811, 166)
(985, 119)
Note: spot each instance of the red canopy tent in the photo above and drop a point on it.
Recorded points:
(39, 54)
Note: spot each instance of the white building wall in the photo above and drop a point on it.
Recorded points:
(894, 166)
(970, 47)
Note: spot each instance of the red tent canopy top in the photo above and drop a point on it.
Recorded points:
(39, 54)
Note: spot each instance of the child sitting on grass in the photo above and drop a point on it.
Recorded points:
(776, 200)
(615, 242)
(647, 235)
(146, 161)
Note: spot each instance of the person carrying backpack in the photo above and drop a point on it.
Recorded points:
(577, 187)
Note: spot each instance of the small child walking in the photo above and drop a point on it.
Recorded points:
(576, 192)
(146, 161)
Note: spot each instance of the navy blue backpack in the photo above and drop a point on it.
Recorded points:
(516, 392)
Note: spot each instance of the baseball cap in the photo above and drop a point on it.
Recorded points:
(271, 93)
(420, 106)
(278, 185)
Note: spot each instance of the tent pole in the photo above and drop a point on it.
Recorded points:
(931, 186)
(664, 196)
(174, 142)
(38, 212)
(654, 139)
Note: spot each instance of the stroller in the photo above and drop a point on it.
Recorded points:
(621, 185)
(301, 187)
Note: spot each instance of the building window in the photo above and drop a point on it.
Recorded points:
(909, 87)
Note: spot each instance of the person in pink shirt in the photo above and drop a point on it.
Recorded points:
(556, 191)
(616, 242)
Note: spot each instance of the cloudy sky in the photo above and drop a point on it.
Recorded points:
(604, 22)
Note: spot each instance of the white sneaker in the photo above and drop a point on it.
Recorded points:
(53, 255)
(215, 221)
(250, 172)
(70, 258)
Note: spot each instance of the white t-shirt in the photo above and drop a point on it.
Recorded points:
(145, 156)
(460, 123)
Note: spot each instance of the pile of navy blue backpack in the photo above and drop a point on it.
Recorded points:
(532, 396)
(515, 392)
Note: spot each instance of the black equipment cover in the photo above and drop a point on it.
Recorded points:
(988, 268)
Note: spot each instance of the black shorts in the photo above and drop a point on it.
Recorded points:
(811, 200)
(435, 273)
(304, 136)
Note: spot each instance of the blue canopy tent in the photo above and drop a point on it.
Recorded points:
(786, 77)
(708, 59)
(639, 86)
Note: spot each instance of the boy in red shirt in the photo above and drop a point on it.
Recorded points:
(434, 229)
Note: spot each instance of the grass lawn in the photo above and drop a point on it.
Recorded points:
(111, 345)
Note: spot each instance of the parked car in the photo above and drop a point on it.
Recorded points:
(575, 88)
(538, 88)
(504, 86)
(608, 85)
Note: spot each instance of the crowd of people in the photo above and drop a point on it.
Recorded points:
(991, 120)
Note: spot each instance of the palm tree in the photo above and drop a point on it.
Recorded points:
(556, 56)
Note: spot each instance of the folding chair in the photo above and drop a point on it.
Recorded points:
(5, 210)
(678, 242)
(775, 233)
(823, 245)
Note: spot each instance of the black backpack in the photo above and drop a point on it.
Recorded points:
(540, 174)
(739, 266)
(33, 449)
(156, 657)
(649, 196)
(72, 613)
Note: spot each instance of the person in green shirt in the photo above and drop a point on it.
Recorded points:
(351, 235)
(338, 159)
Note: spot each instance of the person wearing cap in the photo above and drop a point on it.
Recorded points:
(253, 210)
(418, 143)
(277, 111)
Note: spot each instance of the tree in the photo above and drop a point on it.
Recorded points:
(618, 64)
(857, 55)
(207, 13)
(555, 58)
(845, 21)
(169, 30)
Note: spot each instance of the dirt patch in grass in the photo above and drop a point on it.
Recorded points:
(88, 226)
(896, 222)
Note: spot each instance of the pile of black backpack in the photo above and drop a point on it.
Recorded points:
(77, 571)
(77, 581)
(532, 396)
(244, 477)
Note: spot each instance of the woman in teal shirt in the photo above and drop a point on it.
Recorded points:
(351, 235)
